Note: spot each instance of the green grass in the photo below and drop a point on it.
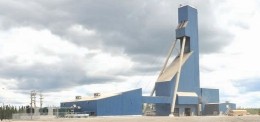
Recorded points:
(253, 110)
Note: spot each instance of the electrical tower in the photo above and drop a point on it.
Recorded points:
(41, 99)
(33, 99)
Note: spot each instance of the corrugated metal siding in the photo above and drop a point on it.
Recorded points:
(209, 96)
(128, 103)
(162, 109)
(164, 88)
(223, 107)
(147, 99)
(110, 106)
(132, 102)
(187, 100)
(211, 109)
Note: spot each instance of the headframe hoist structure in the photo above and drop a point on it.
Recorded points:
(171, 75)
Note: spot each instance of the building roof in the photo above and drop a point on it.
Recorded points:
(187, 94)
(172, 69)
(102, 96)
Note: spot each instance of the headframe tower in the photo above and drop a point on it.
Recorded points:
(180, 79)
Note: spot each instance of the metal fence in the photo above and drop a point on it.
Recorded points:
(25, 116)
(54, 115)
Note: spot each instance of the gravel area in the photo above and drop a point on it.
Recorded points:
(255, 118)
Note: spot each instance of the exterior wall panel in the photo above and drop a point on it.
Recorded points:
(209, 96)
(132, 102)
(110, 106)
(187, 100)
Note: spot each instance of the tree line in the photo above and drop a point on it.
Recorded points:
(6, 111)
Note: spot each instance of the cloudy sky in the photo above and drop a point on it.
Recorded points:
(66, 47)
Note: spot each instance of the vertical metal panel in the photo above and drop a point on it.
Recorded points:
(211, 109)
(164, 88)
(110, 106)
(132, 102)
(163, 109)
(223, 107)
(209, 96)
(187, 100)
(127, 103)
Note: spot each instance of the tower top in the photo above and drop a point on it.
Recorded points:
(181, 5)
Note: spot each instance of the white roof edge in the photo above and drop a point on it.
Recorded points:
(187, 94)
(103, 95)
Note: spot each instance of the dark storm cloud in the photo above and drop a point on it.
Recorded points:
(51, 77)
(140, 27)
(143, 30)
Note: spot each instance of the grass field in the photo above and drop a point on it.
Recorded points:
(253, 111)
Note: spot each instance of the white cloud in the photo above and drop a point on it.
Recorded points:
(239, 60)
(79, 29)
(27, 46)
(107, 64)
(80, 43)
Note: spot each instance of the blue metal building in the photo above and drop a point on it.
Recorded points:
(177, 89)
(125, 103)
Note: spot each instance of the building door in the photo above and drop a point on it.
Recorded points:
(176, 112)
(187, 112)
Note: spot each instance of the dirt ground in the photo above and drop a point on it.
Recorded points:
(255, 118)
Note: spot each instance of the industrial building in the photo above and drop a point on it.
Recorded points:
(177, 90)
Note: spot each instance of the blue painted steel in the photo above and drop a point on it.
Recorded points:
(189, 79)
(132, 102)
(209, 95)
(187, 100)
(163, 109)
(211, 109)
(162, 99)
(126, 103)
(220, 108)
(164, 88)
(224, 106)
(110, 106)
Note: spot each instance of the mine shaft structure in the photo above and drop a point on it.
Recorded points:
(181, 76)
